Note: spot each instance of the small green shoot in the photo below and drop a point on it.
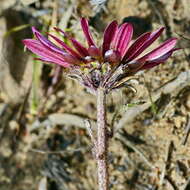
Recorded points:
(16, 29)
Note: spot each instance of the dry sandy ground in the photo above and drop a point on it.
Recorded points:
(42, 138)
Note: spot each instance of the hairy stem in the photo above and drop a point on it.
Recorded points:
(102, 140)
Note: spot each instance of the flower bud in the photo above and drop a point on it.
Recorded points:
(112, 56)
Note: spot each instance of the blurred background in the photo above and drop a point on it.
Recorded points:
(43, 141)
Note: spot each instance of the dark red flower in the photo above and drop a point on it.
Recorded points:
(107, 64)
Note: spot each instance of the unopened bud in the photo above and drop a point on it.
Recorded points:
(112, 56)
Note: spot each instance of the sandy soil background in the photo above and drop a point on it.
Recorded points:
(43, 142)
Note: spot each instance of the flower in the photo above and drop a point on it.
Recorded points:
(107, 65)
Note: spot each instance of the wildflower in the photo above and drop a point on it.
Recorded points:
(105, 66)
(102, 69)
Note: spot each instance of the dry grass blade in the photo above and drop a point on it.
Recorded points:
(135, 149)
(187, 131)
(166, 160)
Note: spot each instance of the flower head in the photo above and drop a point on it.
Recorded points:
(108, 64)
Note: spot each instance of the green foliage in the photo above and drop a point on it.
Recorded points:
(16, 29)
(37, 67)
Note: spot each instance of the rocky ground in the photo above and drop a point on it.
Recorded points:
(43, 142)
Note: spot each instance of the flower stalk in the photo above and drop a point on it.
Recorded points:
(102, 140)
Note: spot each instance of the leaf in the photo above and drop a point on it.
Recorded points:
(134, 104)
(16, 29)
(37, 67)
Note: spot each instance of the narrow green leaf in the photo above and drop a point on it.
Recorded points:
(16, 29)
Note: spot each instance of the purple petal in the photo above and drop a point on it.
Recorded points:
(40, 50)
(36, 47)
(123, 37)
(64, 64)
(65, 46)
(46, 42)
(70, 59)
(155, 62)
(78, 46)
(85, 28)
(159, 51)
(94, 51)
(109, 34)
(141, 44)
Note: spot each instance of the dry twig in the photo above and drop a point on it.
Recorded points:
(166, 159)
(132, 146)
(187, 131)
